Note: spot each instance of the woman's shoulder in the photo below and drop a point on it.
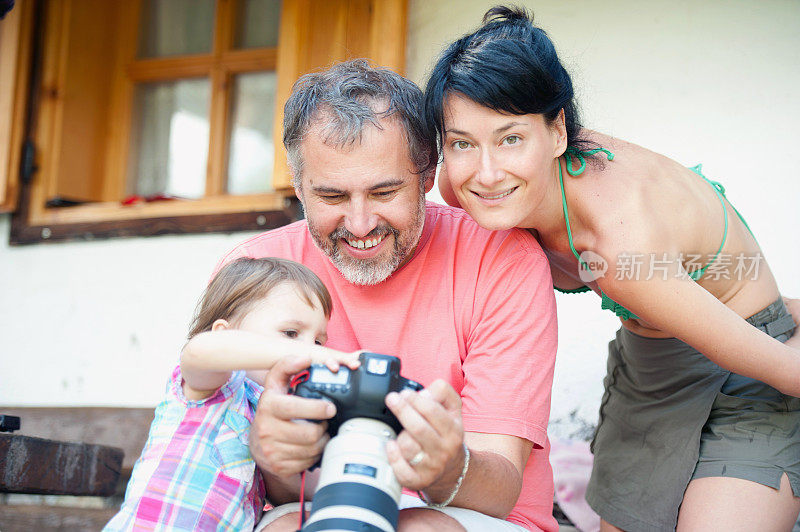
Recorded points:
(639, 198)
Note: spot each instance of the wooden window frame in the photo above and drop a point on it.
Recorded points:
(14, 77)
(312, 34)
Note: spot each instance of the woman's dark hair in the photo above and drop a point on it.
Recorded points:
(508, 65)
(243, 282)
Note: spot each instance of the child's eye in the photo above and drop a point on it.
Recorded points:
(318, 342)
(290, 333)
(511, 139)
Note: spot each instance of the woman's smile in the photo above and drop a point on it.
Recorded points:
(494, 196)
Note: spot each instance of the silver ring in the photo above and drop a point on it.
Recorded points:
(419, 457)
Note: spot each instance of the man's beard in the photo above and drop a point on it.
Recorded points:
(378, 269)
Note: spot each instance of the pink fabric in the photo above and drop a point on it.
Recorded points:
(473, 307)
(572, 467)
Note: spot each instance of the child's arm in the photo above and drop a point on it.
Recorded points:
(209, 357)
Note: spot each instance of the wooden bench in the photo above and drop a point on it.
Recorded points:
(122, 428)
(85, 452)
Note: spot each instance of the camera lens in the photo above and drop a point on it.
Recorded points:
(357, 488)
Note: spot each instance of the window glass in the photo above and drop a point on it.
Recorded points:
(252, 150)
(169, 141)
(176, 27)
(257, 23)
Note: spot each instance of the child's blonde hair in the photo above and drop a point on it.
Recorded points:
(244, 281)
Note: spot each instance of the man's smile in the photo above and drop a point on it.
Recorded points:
(365, 243)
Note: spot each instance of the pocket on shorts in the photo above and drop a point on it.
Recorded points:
(767, 414)
(232, 449)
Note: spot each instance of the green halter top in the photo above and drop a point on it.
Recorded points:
(607, 303)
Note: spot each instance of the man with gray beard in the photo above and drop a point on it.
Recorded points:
(422, 282)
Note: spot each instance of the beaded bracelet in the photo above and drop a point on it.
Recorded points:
(455, 489)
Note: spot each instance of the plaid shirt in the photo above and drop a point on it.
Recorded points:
(196, 472)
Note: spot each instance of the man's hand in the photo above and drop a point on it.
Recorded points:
(430, 449)
(280, 442)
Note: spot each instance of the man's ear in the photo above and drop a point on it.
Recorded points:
(220, 325)
(559, 129)
(298, 191)
(429, 177)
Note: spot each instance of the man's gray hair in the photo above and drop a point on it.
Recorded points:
(345, 98)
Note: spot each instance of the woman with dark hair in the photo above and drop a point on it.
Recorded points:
(700, 422)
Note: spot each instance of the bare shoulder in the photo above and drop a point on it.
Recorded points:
(640, 201)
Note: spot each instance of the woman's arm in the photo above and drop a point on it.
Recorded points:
(675, 304)
(209, 357)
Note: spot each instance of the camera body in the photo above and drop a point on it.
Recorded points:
(357, 488)
(359, 393)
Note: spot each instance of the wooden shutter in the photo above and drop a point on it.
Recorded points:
(15, 55)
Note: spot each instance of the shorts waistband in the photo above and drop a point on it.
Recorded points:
(773, 319)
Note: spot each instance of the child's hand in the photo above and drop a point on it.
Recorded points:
(333, 359)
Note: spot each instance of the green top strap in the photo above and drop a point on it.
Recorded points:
(566, 213)
(580, 155)
(719, 190)
(568, 155)
(606, 302)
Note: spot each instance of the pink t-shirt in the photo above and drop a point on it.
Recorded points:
(473, 307)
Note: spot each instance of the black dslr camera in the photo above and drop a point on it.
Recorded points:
(359, 393)
(357, 489)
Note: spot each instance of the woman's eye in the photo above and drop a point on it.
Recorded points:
(511, 139)
(290, 333)
(461, 144)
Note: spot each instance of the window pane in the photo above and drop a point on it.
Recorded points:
(169, 147)
(252, 150)
(176, 27)
(257, 23)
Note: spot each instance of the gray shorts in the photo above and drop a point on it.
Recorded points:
(471, 520)
(669, 415)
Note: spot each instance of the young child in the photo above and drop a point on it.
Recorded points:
(196, 472)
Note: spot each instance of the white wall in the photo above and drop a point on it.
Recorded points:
(713, 82)
(98, 323)
(101, 323)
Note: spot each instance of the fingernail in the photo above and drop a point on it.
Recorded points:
(330, 410)
(405, 394)
(425, 393)
(392, 399)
